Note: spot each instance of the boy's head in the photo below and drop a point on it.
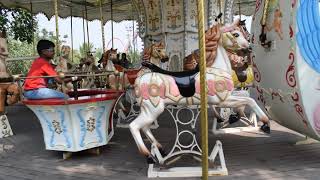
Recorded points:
(45, 49)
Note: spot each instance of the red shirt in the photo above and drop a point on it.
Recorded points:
(39, 67)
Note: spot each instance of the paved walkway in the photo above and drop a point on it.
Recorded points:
(248, 155)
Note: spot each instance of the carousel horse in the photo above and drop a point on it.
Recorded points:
(10, 93)
(154, 90)
(242, 73)
(90, 68)
(106, 64)
(126, 107)
(64, 65)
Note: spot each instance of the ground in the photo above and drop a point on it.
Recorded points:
(248, 155)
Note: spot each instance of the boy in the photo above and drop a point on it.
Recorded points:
(37, 88)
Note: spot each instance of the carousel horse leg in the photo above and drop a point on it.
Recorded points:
(153, 140)
(236, 101)
(148, 114)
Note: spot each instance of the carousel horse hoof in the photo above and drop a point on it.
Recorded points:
(162, 152)
(233, 118)
(265, 128)
(151, 159)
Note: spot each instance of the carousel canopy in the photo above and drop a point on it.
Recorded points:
(121, 9)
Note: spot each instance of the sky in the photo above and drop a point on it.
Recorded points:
(95, 37)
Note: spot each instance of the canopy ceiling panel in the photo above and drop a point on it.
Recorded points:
(121, 9)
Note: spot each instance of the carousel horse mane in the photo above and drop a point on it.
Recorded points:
(212, 38)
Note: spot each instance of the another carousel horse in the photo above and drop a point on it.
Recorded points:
(65, 66)
(9, 91)
(106, 64)
(156, 89)
(90, 68)
(242, 73)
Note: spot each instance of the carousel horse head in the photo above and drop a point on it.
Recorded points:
(65, 51)
(110, 54)
(3, 45)
(235, 37)
(156, 53)
(232, 37)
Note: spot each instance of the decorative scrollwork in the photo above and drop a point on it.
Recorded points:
(256, 72)
(91, 124)
(57, 127)
(290, 74)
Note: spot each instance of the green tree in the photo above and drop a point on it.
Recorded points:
(17, 48)
(86, 48)
(19, 23)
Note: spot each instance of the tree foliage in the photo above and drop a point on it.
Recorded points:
(19, 23)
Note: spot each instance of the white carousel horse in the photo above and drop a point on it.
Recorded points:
(154, 90)
(242, 73)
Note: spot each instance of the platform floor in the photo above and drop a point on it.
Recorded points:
(248, 155)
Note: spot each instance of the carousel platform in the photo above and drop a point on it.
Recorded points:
(248, 155)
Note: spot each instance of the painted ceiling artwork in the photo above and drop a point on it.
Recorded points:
(308, 36)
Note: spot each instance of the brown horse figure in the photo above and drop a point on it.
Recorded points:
(9, 92)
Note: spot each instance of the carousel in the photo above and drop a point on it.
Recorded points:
(198, 59)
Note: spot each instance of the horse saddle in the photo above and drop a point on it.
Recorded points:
(185, 80)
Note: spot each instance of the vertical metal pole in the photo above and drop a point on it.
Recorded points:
(57, 26)
(239, 9)
(88, 49)
(84, 35)
(102, 27)
(111, 23)
(203, 87)
(32, 24)
(71, 33)
(133, 38)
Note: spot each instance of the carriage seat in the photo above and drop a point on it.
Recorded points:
(185, 80)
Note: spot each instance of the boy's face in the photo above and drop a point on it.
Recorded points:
(48, 53)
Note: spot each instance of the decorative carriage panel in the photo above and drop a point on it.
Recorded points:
(75, 126)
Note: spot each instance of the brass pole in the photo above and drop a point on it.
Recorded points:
(84, 35)
(102, 27)
(203, 87)
(111, 24)
(265, 12)
(239, 9)
(57, 26)
(133, 39)
(88, 49)
(71, 34)
(32, 24)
